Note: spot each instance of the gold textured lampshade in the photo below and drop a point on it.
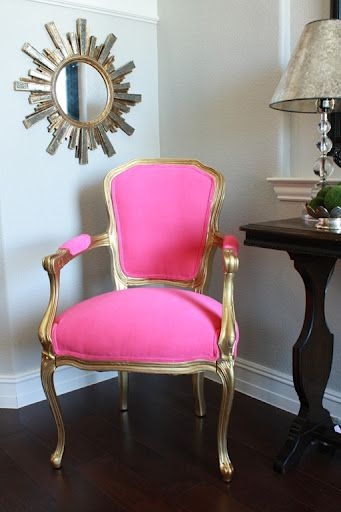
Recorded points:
(314, 70)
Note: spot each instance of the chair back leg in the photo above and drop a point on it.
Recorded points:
(198, 392)
(123, 381)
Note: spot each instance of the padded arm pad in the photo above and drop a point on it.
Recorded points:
(231, 242)
(77, 244)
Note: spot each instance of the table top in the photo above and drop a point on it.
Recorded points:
(293, 235)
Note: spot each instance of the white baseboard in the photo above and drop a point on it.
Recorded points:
(25, 389)
(252, 379)
(276, 388)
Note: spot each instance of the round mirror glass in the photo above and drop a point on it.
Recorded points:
(81, 91)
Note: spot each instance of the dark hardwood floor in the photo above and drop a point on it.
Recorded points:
(158, 456)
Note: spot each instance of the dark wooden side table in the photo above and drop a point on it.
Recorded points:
(314, 254)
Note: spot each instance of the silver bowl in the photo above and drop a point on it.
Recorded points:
(329, 224)
(329, 221)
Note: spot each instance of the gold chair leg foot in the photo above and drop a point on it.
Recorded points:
(47, 373)
(226, 470)
(56, 460)
(225, 371)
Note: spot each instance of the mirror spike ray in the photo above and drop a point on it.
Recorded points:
(60, 90)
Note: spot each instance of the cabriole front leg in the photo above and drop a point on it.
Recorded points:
(47, 373)
(225, 371)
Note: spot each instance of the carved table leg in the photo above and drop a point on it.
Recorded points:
(312, 359)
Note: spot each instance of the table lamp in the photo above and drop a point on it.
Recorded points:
(311, 83)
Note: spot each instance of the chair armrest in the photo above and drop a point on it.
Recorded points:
(53, 264)
(227, 242)
(78, 244)
(74, 247)
(229, 333)
(231, 242)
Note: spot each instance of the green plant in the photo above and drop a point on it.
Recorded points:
(332, 197)
(328, 197)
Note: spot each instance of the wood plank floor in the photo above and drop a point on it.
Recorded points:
(158, 457)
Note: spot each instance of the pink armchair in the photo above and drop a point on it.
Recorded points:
(163, 225)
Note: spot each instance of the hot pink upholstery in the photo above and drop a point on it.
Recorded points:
(140, 324)
(231, 242)
(77, 244)
(162, 233)
(158, 196)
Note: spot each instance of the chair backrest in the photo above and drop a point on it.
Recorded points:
(163, 216)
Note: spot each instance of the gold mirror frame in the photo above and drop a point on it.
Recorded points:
(41, 85)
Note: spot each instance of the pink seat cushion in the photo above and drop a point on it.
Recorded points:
(140, 325)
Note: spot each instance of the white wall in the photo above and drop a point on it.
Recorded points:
(46, 199)
(219, 63)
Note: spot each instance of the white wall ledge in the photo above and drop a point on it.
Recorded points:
(295, 189)
(133, 9)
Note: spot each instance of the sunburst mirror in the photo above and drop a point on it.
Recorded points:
(78, 89)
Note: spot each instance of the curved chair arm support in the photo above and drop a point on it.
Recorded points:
(53, 265)
(229, 328)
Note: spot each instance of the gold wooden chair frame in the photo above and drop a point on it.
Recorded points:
(227, 339)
